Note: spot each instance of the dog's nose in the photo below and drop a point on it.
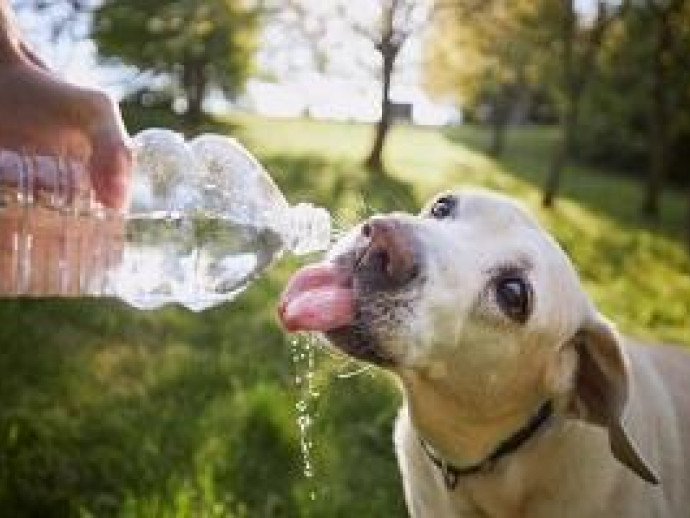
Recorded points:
(389, 256)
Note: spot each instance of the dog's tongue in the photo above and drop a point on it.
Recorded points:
(317, 298)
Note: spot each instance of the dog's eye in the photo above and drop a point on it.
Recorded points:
(443, 207)
(514, 297)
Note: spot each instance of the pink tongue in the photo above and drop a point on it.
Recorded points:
(317, 298)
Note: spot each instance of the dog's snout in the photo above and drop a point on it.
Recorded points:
(388, 256)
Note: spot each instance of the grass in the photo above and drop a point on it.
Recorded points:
(106, 411)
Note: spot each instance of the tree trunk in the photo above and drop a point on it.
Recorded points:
(568, 117)
(375, 160)
(498, 138)
(657, 166)
(553, 177)
(563, 151)
(499, 122)
(688, 222)
(658, 141)
(576, 74)
(194, 84)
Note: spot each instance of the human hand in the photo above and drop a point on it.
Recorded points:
(43, 115)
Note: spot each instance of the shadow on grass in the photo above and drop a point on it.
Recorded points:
(102, 406)
(339, 186)
(107, 411)
(527, 157)
(138, 118)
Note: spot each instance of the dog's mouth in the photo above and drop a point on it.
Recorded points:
(319, 297)
(351, 298)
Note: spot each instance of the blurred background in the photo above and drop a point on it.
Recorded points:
(581, 108)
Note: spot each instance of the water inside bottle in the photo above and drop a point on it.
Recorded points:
(196, 259)
(206, 220)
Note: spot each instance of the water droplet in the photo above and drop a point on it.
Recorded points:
(303, 354)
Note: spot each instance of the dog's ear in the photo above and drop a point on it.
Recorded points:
(601, 390)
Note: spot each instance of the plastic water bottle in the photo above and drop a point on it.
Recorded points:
(55, 237)
(205, 219)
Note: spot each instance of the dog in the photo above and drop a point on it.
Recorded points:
(520, 399)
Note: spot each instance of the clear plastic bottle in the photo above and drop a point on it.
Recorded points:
(205, 219)
(55, 237)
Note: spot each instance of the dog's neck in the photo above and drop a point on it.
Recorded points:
(452, 473)
(460, 435)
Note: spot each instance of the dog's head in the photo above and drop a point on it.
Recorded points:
(473, 303)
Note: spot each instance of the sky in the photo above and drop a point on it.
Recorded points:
(346, 88)
(73, 56)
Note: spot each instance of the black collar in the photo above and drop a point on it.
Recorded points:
(451, 473)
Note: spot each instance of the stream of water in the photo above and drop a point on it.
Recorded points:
(303, 354)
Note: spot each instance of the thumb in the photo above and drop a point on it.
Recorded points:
(110, 163)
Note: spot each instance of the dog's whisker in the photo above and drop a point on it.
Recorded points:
(343, 361)
(340, 226)
(361, 369)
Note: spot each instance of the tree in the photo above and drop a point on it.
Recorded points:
(196, 45)
(646, 131)
(355, 40)
(579, 41)
(396, 24)
(665, 47)
(481, 52)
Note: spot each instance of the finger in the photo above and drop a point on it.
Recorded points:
(110, 168)
(111, 158)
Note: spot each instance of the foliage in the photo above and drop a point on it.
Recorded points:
(484, 54)
(107, 411)
(616, 129)
(195, 44)
(481, 50)
(616, 73)
(478, 48)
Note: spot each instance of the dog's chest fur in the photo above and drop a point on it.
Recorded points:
(485, 495)
(516, 489)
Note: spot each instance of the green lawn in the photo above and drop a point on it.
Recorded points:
(106, 411)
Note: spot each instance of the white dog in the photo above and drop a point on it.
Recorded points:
(520, 399)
